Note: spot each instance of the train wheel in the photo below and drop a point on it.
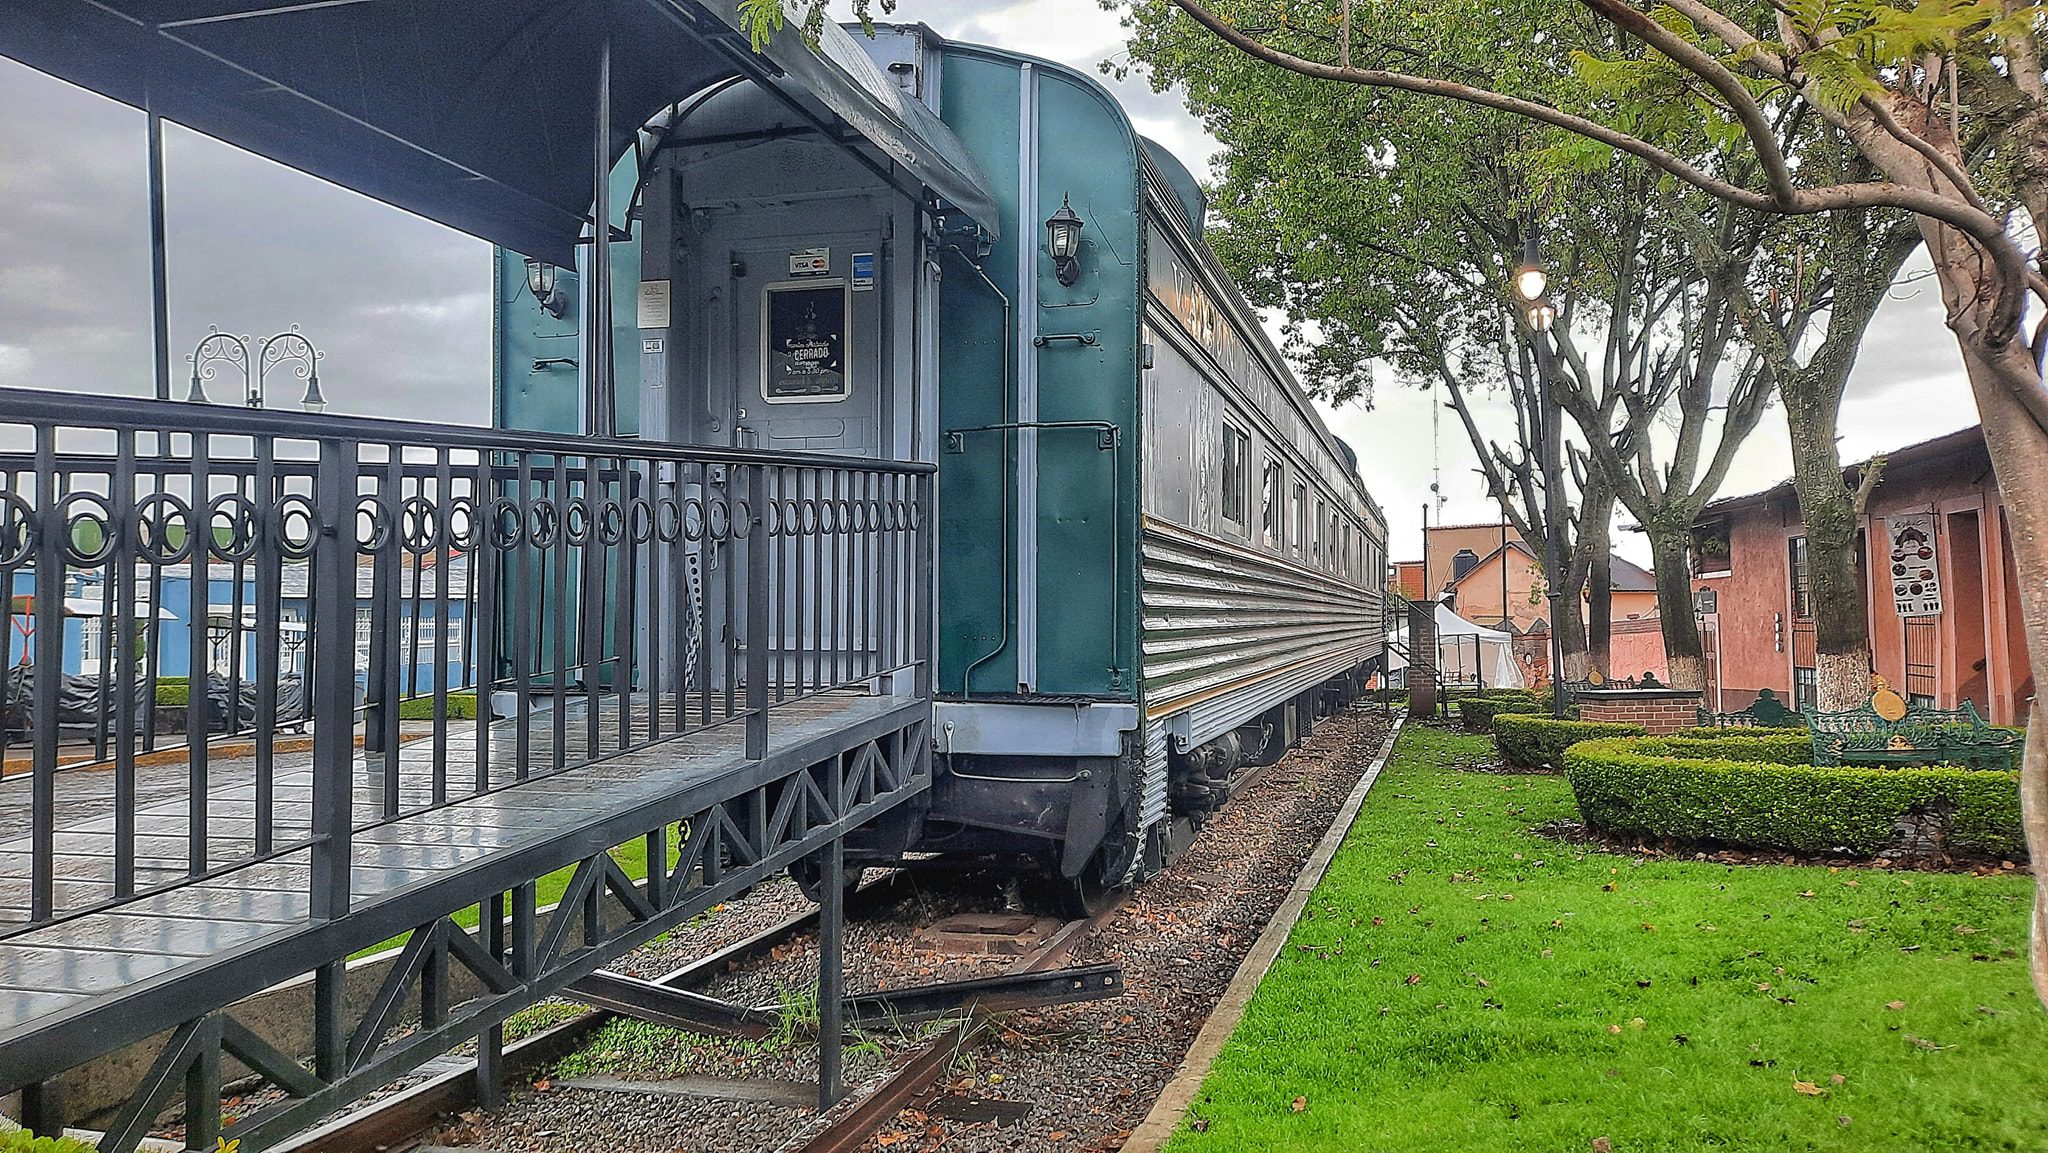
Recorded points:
(1087, 894)
(809, 875)
(1101, 883)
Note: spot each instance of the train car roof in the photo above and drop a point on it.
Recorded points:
(476, 114)
(1249, 321)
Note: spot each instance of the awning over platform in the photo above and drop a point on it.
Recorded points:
(474, 113)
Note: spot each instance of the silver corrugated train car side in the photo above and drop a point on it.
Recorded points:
(1263, 558)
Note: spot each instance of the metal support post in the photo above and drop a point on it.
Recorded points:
(831, 975)
(758, 589)
(333, 655)
(42, 1109)
(159, 276)
(202, 1090)
(1553, 428)
(330, 1025)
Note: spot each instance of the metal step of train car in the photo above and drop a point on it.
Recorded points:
(1155, 565)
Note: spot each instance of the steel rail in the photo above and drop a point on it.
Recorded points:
(400, 1118)
(850, 1131)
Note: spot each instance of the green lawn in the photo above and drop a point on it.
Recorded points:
(1461, 983)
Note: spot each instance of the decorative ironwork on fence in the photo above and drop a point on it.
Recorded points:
(588, 597)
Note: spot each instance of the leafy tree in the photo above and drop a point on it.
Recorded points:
(1387, 229)
(1943, 102)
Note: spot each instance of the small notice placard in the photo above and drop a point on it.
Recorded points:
(810, 262)
(653, 310)
(806, 343)
(863, 272)
(1916, 577)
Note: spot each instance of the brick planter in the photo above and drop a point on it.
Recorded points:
(1658, 711)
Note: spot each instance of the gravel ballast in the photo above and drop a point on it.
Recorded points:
(1081, 1076)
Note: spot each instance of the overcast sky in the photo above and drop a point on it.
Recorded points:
(401, 306)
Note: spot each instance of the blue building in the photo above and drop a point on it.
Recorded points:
(430, 651)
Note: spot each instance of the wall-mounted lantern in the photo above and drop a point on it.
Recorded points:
(541, 281)
(1063, 240)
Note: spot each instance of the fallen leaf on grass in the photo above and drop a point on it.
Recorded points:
(1761, 986)
(1836, 1079)
(1199, 1124)
(1924, 1043)
(1809, 893)
(1483, 982)
(1614, 1028)
(1300, 1105)
(1600, 1144)
(1809, 1088)
(1636, 1022)
(1413, 979)
(1895, 1006)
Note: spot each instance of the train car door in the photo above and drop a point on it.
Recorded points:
(808, 345)
(809, 373)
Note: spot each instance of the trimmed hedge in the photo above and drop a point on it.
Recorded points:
(1539, 742)
(1478, 712)
(1663, 787)
(1762, 746)
(461, 707)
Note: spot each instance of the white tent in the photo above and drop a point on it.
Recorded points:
(1466, 653)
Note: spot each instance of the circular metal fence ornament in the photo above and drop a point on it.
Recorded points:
(294, 524)
(542, 523)
(460, 524)
(419, 525)
(375, 517)
(241, 519)
(17, 530)
(97, 520)
(506, 526)
(155, 513)
(576, 521)
(611, 522)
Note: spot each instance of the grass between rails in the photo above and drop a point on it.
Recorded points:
(1461, 983)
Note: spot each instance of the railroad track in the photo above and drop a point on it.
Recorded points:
(850, 1127)
(405, 1117)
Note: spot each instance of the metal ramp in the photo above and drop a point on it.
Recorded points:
(718, 658)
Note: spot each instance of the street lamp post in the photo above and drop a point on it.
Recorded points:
(1530, 282)
(290, 347)
(216, 350)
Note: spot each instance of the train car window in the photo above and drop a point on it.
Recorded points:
(1334, 559)
(1300, 519)
(1237, 475)
(1315, 549)
(1271, 514)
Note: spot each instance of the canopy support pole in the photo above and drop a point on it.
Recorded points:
(159, 275)
(602, 402)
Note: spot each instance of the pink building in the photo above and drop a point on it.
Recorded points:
(1942, 598)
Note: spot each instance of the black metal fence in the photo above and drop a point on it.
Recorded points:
(472, 607)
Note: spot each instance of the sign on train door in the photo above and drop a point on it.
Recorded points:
(807, 346)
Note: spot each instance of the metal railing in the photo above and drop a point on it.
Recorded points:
(372, 579)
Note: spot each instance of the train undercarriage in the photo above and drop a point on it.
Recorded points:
(1076, 821)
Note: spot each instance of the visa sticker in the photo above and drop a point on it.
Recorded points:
(863, 271)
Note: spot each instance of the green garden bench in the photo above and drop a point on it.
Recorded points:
(1766, 712)
(1862, 736)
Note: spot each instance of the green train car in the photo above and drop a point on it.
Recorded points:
(1156, 565)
